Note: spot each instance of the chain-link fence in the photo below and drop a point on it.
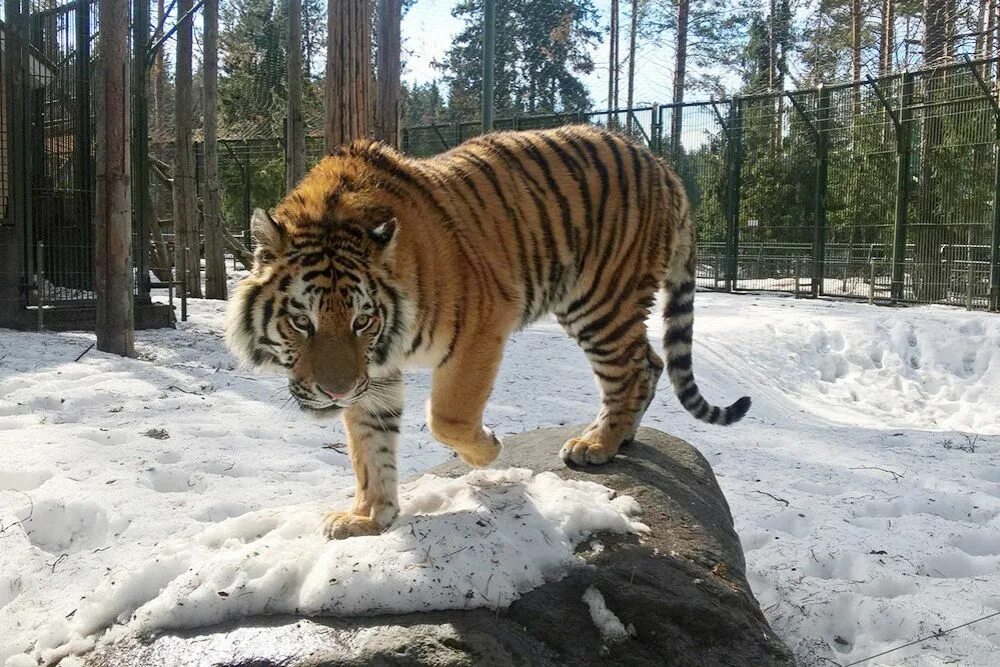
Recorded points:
(883, 189)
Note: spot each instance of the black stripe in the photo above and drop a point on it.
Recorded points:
(688, 393)
(674, 308)
(677, 335)
(679, 363)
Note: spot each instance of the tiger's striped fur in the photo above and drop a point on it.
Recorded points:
(376, 262)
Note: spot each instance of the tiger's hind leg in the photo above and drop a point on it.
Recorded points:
(626, 369)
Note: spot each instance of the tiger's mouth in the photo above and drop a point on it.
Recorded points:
(310, 402)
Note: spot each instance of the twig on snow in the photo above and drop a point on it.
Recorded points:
(89, 348)
(896, 476)
(765, 493)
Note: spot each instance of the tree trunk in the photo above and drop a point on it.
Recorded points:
(856, 40)
(159, 80)
(991, 16)
(613, 62)
(630, 94)
(389, 51)
(215, 256)
(680, 73)
(114, 280)
(295, 139)
(348, 72)
(856, 59)
(888, 41)
(186, 241)
(772, 44)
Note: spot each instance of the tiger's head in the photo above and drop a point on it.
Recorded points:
(321, 303)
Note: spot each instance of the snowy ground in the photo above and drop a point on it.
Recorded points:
(865, 482)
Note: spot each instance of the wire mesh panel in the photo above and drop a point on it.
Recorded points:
(60, 152)
(692, 138)
(950, 220)
(635, 123)
(861, 136)
(777, 155)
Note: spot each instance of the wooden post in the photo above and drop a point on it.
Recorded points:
(348, 72)
(389, 50)
(114, 283)
(295, 139)
(186, 240)
(215, 258)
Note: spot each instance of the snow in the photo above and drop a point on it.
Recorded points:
(610, 626)
(279, 561)
(865, 481)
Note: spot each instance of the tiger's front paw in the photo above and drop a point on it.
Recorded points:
(583, 452)
(341, 525)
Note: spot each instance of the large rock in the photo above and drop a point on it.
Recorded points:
(682, 588)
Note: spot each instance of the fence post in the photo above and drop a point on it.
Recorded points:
(819, 196)
(655, 129)
(40, 285)
(903, 150)
(141, 207)
(995, 245)
(733, 164)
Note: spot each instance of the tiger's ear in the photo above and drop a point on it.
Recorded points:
(384, 233)
(268, 235)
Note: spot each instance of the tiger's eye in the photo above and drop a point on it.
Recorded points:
(361, 322)
(302, 322)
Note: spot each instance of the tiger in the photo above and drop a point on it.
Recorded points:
(377, 262)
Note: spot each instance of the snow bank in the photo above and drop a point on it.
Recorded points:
(479, 540)
(931, 367)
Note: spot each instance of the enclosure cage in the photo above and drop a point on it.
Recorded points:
(884, 189)
(48, 62)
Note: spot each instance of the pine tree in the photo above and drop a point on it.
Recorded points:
(253, 68)
(541, 47)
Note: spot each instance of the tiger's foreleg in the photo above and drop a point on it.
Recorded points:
(461, 387)
(372, 426)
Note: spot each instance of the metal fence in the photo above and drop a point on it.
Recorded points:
(883, 189)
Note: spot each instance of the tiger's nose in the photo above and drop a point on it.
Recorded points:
(330, 394)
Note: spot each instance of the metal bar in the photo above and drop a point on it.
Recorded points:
(885, 102)
(40, 285)
(819, 194)
(440, 136)
(246, 190)
(871, 283)
(904, 129)
(638, 125)
(805, 116)
(734, 160)
(140, 145)
(985, 87)
(718, 114)
(184, 284)
(995, 242)
(489, 51)
(654, 129)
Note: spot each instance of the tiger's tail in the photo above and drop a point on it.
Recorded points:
(678, 316)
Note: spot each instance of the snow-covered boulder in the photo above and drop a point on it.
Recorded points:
(675, 595)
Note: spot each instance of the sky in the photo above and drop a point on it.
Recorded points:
(429, 27)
